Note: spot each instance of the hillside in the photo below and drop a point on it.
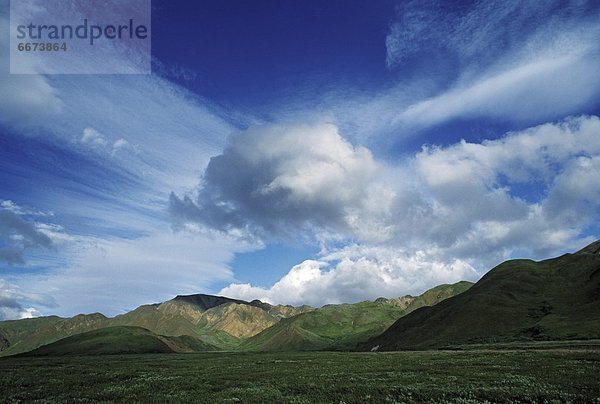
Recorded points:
(119, 340)
(215, 320)
(230, 324)
(27, 334)
(519, 300)
(342, 326)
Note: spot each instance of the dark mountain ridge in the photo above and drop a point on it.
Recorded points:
(205, 302)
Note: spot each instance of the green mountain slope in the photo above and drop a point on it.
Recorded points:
(215, 320)
(342, 326)
(223, 323)
(518, 300)
(119, 340)
(27, 334)
(437, 294)
(286, 336)
(16, 330)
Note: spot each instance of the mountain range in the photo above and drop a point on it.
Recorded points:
(519, 300)
(217, 323)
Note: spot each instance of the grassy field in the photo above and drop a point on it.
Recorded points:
(461, 376)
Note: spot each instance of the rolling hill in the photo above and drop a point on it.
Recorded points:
(519, 300)
(342, 326)
(120, 340)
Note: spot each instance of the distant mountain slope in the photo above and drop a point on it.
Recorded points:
(238, 320)
(518, 300)
(119, 340)
(223, 323)
(27, 334)
(286, 336)
(342, 326)
(216, 320)
(16, 330)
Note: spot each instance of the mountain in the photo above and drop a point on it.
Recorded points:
(342, 326)
(27, 334)
(238, 320)
(519, 300)
(120, 340)
(215, 320)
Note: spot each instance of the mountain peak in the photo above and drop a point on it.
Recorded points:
(205, 302)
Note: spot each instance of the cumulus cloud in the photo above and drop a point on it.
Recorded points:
(451, 213)
(356, 273)
(486, 185)
(19, 233)
(93, 137)
(283, 181)
(119, 144)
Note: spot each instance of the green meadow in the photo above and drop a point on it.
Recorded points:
(462, 376)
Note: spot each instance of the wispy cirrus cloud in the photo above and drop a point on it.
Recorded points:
(536, 90)
(510, 63)
(480, 32)
(450, 62)
(103, 152)
(117, 274)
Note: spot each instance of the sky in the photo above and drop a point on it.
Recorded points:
(301, 152)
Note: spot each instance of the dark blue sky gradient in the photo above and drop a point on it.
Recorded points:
(249, 53)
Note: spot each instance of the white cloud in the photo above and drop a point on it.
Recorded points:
(93, 137)
(497, 60)
(479, 191)
(13, 303)
(116, 275)
(22, 210)
(283, 179)
(539, 89)
(479, 32)
(454, 211)
(120, 144)
(467, 191)
(356, 273)
(31, 96)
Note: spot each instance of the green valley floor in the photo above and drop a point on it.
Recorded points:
(507, 375)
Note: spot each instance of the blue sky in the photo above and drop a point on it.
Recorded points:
(302, 152)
